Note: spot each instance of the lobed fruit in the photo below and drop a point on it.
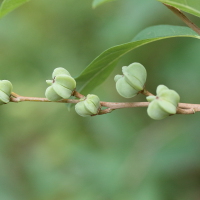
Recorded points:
(88, 105)
(132, 81)
(164, 104)
(62, 85)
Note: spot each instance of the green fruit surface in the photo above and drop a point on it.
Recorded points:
(81, 109)
(155, 111)
(60, 71)
(137, 70)
(66, 81)
(51, 95)
(4, 97)
(124, 89)
(167, 106)
(151, 98)
(170, 96)
(62, 91)
(94, 99)
(6, 87)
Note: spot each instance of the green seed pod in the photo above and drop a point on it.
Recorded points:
(164, 104)
(5, 91)
(62, 85)
(132, 81)
(88, 105)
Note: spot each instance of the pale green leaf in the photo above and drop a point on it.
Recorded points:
(99, 2)
(103, 65)
(9, 5)
(189, 6)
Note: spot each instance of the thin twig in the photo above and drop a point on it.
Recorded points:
(146, 93)
(118, 105)
(188, 106)
(105, 111)
(14, 94)
(185, 111)
(183, 108)
(38, 99)
(187, 21)
(78, 95)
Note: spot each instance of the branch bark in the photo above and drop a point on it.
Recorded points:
(183, 108)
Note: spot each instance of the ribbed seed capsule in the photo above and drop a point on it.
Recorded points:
(132, 81)
(62, 85)
(5, 91)
(164, 104)
(88, 105)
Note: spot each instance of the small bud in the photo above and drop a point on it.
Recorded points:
(164, 104)
(88, 105)
(132, 81)
(5, 91)
(62, 85)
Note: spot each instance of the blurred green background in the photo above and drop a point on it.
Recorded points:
(48, 153)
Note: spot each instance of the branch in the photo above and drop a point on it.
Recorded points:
(196, 107)
(146, 93)
(117, 105)
(106, 111)
(17, 98)
(185, 111)
(183, 108)
(77, 94)
(176, 11)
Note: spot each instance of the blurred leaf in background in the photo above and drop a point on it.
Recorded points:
(48, 153)
(99, 2)
(9, 5)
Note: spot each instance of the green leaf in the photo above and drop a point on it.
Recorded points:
(189, 6)
(9, 5)
(99, 2)
(101, 67)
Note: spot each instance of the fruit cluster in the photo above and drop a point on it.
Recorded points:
(62, 87)
(133, 82)
(128, 85)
